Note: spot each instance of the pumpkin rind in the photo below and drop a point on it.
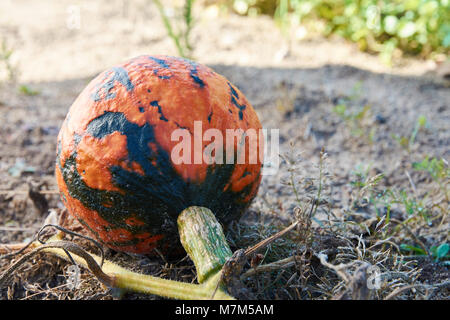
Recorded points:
(114, 167)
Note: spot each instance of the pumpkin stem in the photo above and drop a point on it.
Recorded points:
(132, 281)
(202, 237)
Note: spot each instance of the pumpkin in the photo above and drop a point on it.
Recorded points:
(115, 169)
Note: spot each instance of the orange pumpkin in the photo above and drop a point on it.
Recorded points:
(114, 163)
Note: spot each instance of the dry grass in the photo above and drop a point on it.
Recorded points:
(326, 256)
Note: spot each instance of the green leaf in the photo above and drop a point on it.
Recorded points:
(28, 91)
(408, 247)
(422, 121)
(446, 41)
(428, 8)
(420, 166)
(411, 4)
(406, 30)
(390, 24)
(340, 109)
(442, 250)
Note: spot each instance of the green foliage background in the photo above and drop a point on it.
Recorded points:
(417, 27)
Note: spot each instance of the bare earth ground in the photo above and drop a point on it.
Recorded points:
(293, 91)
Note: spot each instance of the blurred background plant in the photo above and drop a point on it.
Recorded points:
(389, 28)
(178, 21)
(7, 69)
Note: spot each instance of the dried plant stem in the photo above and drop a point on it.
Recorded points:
(319, 189)
(202, 237)
(398, 291)
(125, 279)
(64, 246)
(271, 239)
(10, 247)
(336, 268)
(115, 276)
(277, 265)
(171, 33)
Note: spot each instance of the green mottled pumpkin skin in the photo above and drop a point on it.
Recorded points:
(114, 167)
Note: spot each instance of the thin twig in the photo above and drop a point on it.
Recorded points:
(397, 291)
(266, 242)
(280, 264)
(22, 247)
(336, 268)
(169, 28)
(66, 246)
(269, 240)
(97, 244)
(411, 182)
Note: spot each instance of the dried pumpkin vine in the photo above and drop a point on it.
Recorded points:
(201, 235)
